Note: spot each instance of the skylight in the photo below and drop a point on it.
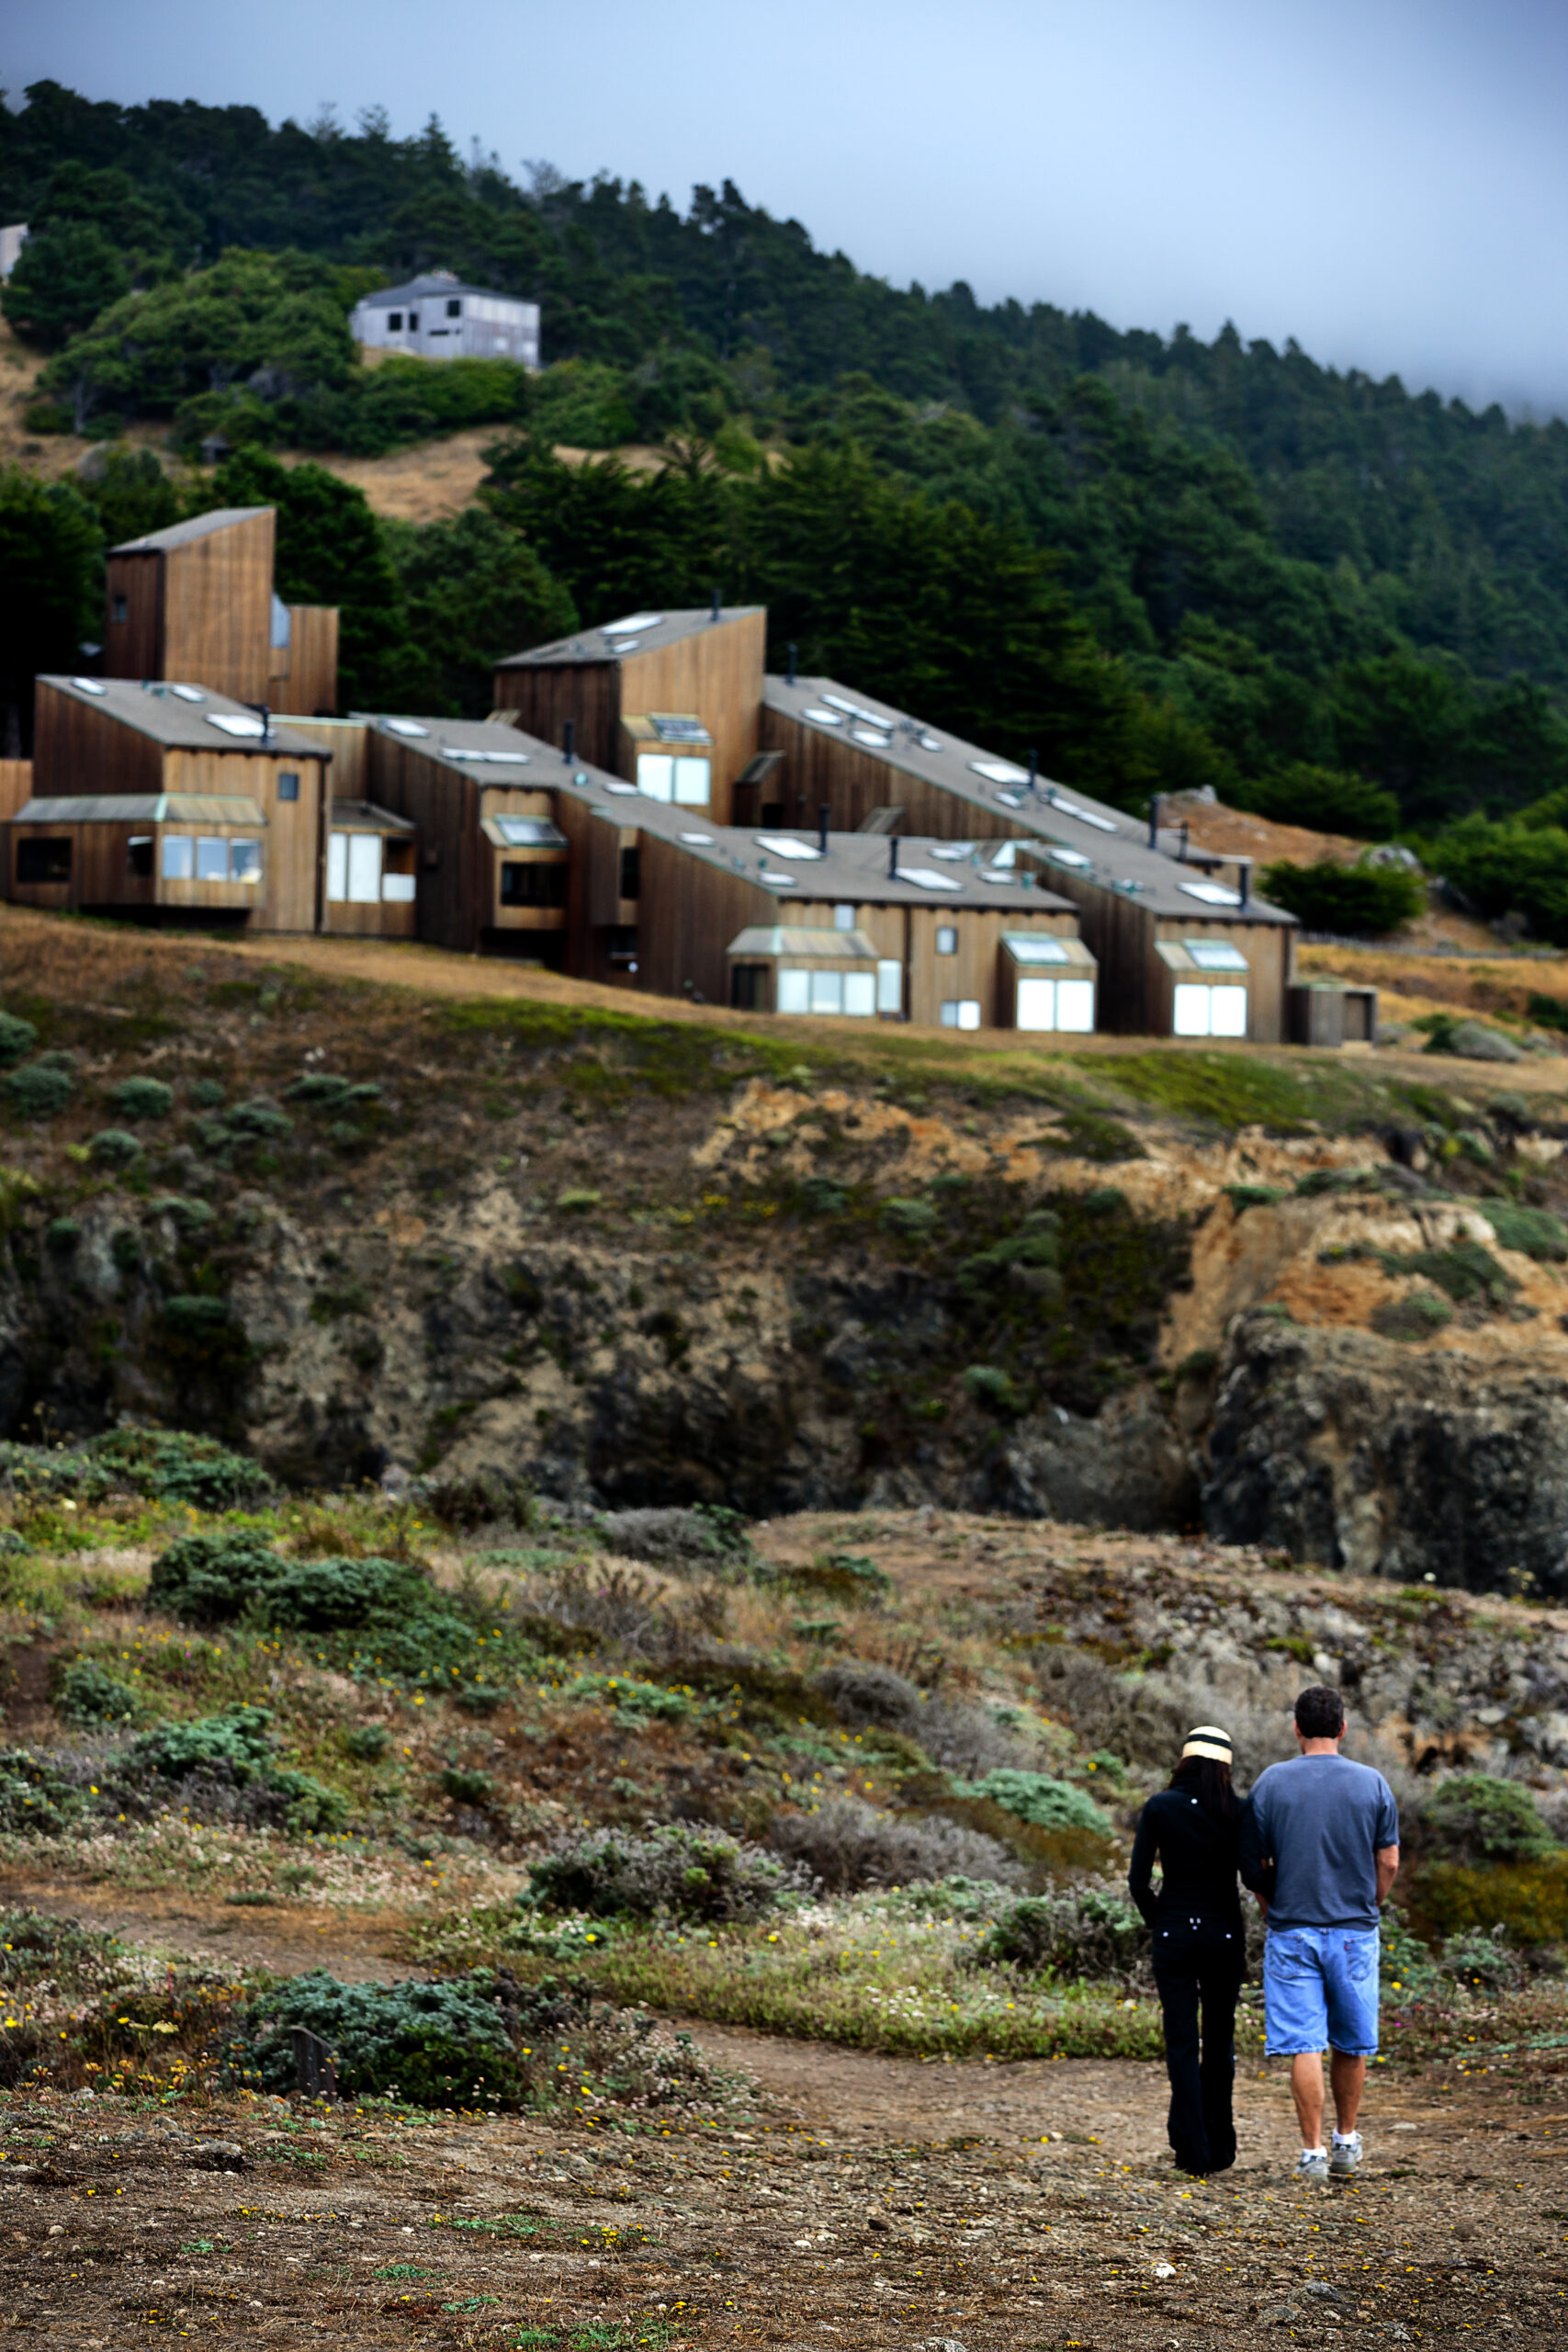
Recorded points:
(786, 846)
(1085, 816)
(622, 790)
(950, 850)
(189, 693)
(404, 727)
(529, 832)
(928, 743)
(1073, 857)
(90, 685)
(491, 759)
(779, 881)
(824, 718)
(879, 738)
(1035, 947)
(1214, 894)
(926, 878)
(999, 771)
(1215, 955)
(1007, 856)
(632, 626)
(1010, 800)
(696, 841)
(234, 722)
(674, 727)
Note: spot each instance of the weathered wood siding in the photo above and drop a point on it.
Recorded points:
(313, 658)
(16, 785)
(454, 864)
(823, 766)
(716, 673)
(688, 914)
(588, 692)
(79, 746)
(295, 882)
(133, 647)
(217, 599)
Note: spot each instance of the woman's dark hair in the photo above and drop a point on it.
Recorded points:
(1210, 1783)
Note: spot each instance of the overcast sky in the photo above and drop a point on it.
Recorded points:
(1387, 180)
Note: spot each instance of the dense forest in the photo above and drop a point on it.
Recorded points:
(1157, 561)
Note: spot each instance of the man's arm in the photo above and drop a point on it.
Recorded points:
(1387, 1860)
(1253, 1860)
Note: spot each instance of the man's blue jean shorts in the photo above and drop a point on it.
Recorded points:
(1320, 1991)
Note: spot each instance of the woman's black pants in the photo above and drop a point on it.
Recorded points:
(1199, 1966)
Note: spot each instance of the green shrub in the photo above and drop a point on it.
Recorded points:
(191, 1216)
(1366, 900)
(1412, 1319)
(1474, 1818)
(142, 1098)
(1090, 1135)
(637, 1702)
(36, 1798)
(319, 1596)
(1028, 1260)
(671, 1871)
(1483, 1958)
(207, 1094)
(210, 1579)
(85, 1692)
(1535, 1233)
(1528, 1900)
(431, 2044)
(112, 1148)
(16, 1038)
(1082, 1934)
(38, 1090)
(62, 1236)
(175, 1466)
(1044, 1802)
(320, 1091)
(239, 1740)
(314, 1810)
(820, 1197)
(466, 1786)
(254, 1122)
(578, 1203)
(367, 1741)
(990, 1387)
(911, 1220)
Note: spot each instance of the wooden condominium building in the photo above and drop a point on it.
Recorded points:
(168, 799)
(1182, 945)
(669, 702)
(196, 602)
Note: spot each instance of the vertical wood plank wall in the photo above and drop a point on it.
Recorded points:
(133, 648)
(216, 629)
(588, 692)
(80, 747)
(452, 889)
(345, 739)
(292, 895)
(717, 672)
(16, 785)
(1269, 950)
(313, 658)
(688, 914)
(909, 933)
(821, 766)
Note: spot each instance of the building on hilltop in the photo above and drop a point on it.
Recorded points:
(439, 317)
(667, 701)
(197, 601)
(169, 800)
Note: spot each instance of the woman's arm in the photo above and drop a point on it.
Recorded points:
(1145, 1849)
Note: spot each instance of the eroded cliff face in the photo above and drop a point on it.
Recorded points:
(374, 1238)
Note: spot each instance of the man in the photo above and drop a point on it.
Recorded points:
(1319, 1849)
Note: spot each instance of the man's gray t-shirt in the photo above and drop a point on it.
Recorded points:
(1320, 1820)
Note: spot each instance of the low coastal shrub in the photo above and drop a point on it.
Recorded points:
(672, 1872)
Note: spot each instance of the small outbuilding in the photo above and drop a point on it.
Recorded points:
(440, 316)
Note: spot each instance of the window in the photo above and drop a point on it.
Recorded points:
(749, 987)
(1203, 1011)
(1228, 1012)
(179, 858)
(826, 992)
(1215, 955)
(692, 782)
(1035, 947)
(794, 990)
(119, 610)
(533, 885)
(859, 995)
(889, 985)
(353, 869)
(656, 775)
(414, 322)
(1055, 1004)
(244, 861)
(453, 308)
(960, 1012)
(48, 860)
(1075, 1005)
(947, 939)
(631, 872)
(139, 856)
(843, 918)
(529, 832)
(211, 860)
(288, 784)
(394, 322)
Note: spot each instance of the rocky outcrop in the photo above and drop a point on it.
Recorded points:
(1334, 1445)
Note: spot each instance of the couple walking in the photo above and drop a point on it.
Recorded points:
(1317, 1841)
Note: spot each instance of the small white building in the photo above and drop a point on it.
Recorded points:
(438, 317)
(11, 239)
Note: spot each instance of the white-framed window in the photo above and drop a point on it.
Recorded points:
(826, 992)
(889, 985)
(1204, 1011)
(1055, 1004)
(1075, 1006)
(843, 918)
(656, 775)
(859, 995)
(1190, 1014)
(211, 860)
(793, 990)
(244, 861)
(1228, 1012)
(179, 858)
(693, 781)
(353, 869)
(960, 1012)
(1036, 1004)
(947, 939)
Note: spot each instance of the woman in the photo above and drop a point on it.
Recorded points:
(1200, 1946)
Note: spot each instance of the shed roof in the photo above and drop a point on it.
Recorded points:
(182, 717)
(436, 282)
(633, 633)
(803, 939)
(142, 809)
(365, 816)
(201, 526)
(1104, 846)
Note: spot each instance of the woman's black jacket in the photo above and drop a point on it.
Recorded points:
(1197, 1856)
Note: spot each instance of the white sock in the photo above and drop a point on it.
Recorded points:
(1344, 2139)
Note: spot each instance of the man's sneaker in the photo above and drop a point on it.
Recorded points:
(1347, 2154)
(1313, 2164)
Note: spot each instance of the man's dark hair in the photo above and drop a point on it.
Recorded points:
(1320, 1713)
